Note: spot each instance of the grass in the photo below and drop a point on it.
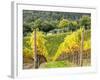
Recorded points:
(53, 42)
(57, 64)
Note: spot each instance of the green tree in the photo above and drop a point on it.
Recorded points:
(63, 23)
(36, 23)
(26, 28)
(73, 25)
(85, 21)
(46, 26)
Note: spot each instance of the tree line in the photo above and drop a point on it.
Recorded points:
(47, 21)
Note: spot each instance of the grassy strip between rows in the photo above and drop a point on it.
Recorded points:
(53, 42)
(57, 64)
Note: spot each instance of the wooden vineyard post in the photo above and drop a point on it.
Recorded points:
(35, 51)
(81, 49)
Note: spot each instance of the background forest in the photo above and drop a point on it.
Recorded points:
(56, 39)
